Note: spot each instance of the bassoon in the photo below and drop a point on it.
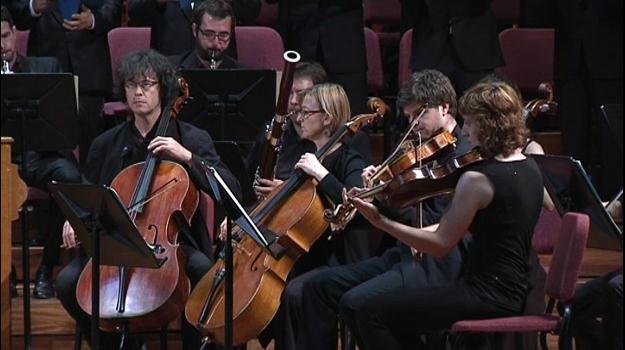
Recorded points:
(269, 155)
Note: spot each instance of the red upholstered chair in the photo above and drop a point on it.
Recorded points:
(22, 41)
(529, 56)
(546, 230)
(560, 286)
(375, 73)
(268, 16)
(385, 14)
(260, 48)
(405, 51)
(122, 42)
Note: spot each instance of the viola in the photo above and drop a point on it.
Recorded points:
(410, 155)
(420, 183)
(294, 212)
(158, 195)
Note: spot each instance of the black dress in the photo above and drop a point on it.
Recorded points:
(495, 282)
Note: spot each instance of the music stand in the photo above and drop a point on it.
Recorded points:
(39, 111)
(107, 232)
(233, 208)
(571, 190)
(230, 154)
(230, 104)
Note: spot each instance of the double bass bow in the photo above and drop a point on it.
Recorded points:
(158, 194)
(294, 212)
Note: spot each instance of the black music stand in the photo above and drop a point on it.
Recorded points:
(230, 104)
(226, 198)
(230, 154)
(39, 111)
(107, 232)
(571, 190)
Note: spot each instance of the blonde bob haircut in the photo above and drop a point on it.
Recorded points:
(497, 111)
(333, 101)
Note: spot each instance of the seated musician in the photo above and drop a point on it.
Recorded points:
(292, 145)
(597, 318)
(212, 27)
(498, 201)
(429, 92)
(43, 167)
(148, 83)
(324, 109)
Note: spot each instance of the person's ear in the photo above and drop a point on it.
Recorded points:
(194, 29)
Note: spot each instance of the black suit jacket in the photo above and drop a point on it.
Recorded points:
(332, 28)
(84, 53)
(469, 26)
(171, 24)
(592, 31)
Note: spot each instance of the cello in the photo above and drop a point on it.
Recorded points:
(158, 195)
(294, 212)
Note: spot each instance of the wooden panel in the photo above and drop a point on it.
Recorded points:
(13, 195)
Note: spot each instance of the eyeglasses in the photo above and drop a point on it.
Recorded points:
(306, 114)
(145, 85)
(211, 35)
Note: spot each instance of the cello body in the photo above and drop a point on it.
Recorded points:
(260, 279)
(152, 297)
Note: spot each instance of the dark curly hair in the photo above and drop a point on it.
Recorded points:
(429, 87)
(141, 64)
(497, 112)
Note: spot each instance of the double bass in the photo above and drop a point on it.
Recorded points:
(157, 194)
(294, 212)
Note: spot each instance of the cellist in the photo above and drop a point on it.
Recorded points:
(428, 100)
(147, 82)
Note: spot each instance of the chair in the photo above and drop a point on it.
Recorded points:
(405, 52)
(122, 42)
(529, 57)
(383, 13)
(260, 48)
(375, 75)
(22, 41)
(544, 238)
(560, 286)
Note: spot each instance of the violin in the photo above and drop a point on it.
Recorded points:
(294, 212)
(411, 155)
(420, 183)
(158, 195)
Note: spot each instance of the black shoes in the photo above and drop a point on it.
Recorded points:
(44, 288)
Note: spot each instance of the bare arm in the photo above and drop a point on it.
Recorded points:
(473, 192)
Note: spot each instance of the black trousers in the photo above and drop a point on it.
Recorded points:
(312, 301)
(394, 320)
(44, 167)
(599, 298)
(197, 265)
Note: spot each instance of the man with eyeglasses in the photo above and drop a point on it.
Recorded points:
(148, 84)
(171, 21)
(213, 28)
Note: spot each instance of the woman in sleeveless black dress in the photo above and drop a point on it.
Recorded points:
(498, 201)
